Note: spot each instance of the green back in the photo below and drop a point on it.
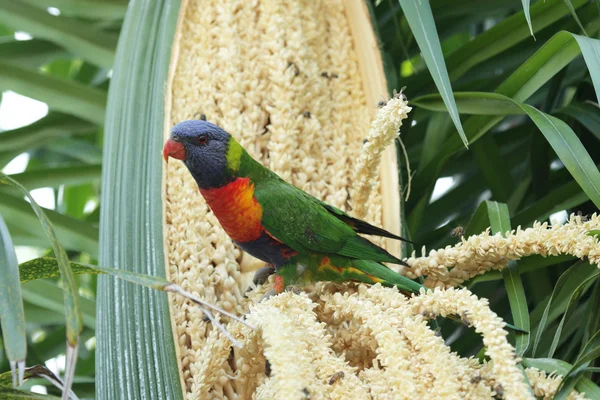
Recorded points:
(301, 221)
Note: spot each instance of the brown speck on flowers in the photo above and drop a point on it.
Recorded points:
(336, 377)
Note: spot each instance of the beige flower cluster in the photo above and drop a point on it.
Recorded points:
(478, 254)
(487, 323)
(371, 342)
(284, 78)
(384, 129)
(545, 385)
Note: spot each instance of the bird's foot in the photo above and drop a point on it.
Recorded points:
(279, 287)
(260, 277)
(267, 295)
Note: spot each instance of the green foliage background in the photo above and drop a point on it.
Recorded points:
(511, 72)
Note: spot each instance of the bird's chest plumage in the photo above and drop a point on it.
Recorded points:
(237, 209)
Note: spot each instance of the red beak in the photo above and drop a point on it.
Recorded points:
(174, 149)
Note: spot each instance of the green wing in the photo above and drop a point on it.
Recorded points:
(302, 222)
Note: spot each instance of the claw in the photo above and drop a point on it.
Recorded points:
(260, 277)
(267, 295)
(263, 274)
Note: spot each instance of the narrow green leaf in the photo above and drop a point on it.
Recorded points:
(7, 393)
(499, 217)
(500, 223)
(590, 352)
(24, 238)
(55, 177)
(435, 136)
(12, 317)
(52, 126)
(592, 317)
(73, 199)
(47, 267)
(573, 300)
(562, 198)
(420, 19)
(93, 9)
(477, 103)
(491, 164)
(60, 94)
(61, 68)
(49, 295)
(570, 150)
(41, 316)
(590, 48)
(595, 232)
(74, 234)
(79, 149)
(587, 114)
(479, 221)
(40, 371)
(80, 38)
(503, 36)
(140, 72)
(561, 137)
(29, 53)
(554, 55)
(527, 15)
(518, 194)
(71, 297)
(574, 14)
(558, 300)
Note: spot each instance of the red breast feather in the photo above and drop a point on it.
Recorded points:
(237, 209)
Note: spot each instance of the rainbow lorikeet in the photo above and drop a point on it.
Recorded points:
(301, 238)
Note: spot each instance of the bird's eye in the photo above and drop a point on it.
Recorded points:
(202, 140)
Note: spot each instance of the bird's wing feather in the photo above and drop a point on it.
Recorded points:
(300, 221)
(360, 226)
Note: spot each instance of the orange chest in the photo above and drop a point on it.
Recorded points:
(237, 210)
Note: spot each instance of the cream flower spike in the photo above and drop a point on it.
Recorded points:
(478, 254)
(545, 385)
(384, 129)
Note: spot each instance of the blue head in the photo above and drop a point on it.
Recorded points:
(206, 150)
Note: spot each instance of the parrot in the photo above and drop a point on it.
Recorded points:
(300, 238)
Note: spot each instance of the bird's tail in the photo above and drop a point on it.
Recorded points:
(320, 267)
(375, 272)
